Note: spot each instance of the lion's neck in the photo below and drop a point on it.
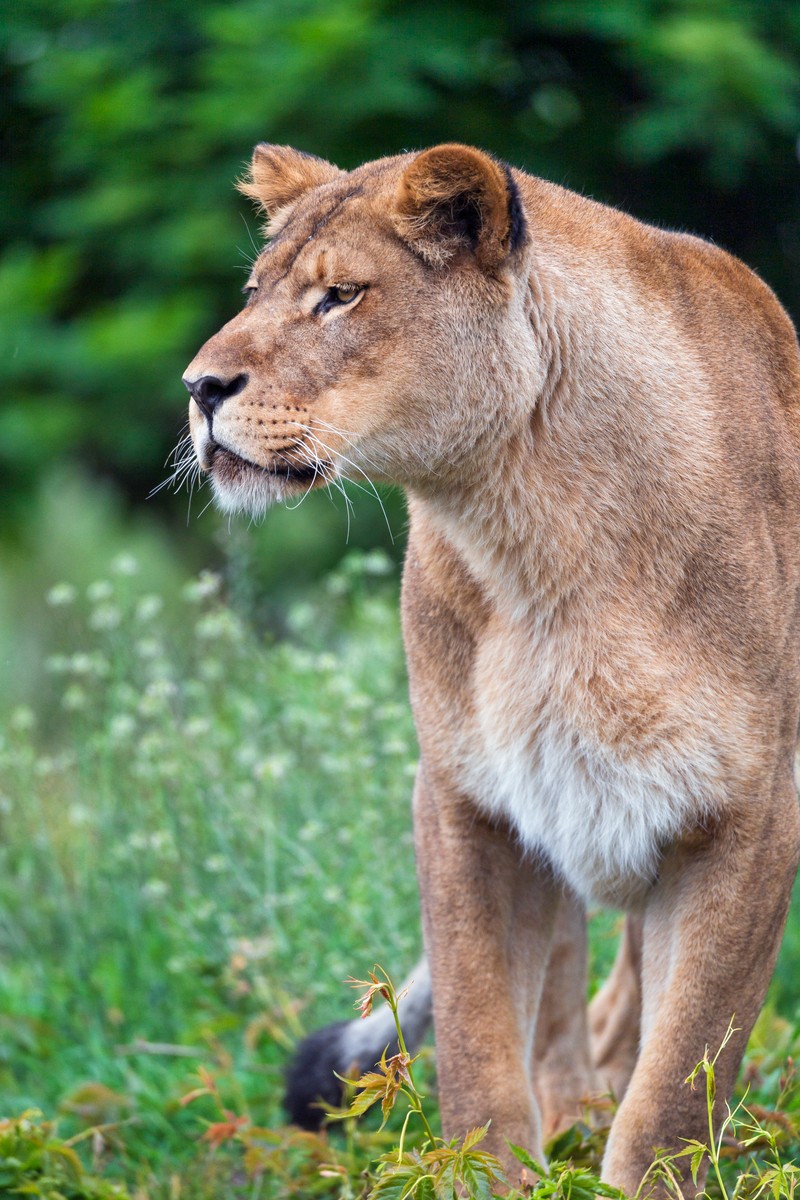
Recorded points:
(593, 490)
(527, 544)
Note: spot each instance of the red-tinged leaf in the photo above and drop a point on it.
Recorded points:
(439, 1155)
(194, 1095)
(223, 1131)
(363, 1101)
(371, 1080)
(364, 1004)
(333, 1171)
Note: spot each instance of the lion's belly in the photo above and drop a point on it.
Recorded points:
(601, 815)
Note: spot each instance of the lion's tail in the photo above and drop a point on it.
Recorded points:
(349, 1048)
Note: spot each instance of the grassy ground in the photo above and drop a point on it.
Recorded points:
(202, 834)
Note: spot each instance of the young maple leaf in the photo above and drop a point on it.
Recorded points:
(381, 1085)
(374, 986)
(395, 1072)
(224, 1131)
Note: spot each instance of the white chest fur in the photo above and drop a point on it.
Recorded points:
(599, 809)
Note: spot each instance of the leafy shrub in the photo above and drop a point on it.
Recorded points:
(34, 1161)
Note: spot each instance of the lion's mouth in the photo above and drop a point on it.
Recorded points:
(229, 467)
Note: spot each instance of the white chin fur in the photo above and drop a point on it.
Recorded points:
(252, 496)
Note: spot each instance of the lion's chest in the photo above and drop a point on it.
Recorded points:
(599, 804)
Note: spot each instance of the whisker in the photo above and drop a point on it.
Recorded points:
(372, 489)
(186, 471)
(309, 461)
(349, 435)
(256, 248)
(205, 509)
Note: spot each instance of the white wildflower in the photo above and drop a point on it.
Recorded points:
(57, 664)
(125, 564)
(222, 624)
(327, 662)
(377, 562)
(211, 669)
(148, 607)
(121, 727)
(80, 664)
(197, 727)
(74, 698)
(148, 648)
(99, 591)
(61, 594)
(152, 746)
(394, 746)
(273, 767)
(155, 889)
(309, 831)
(105, 616)
(207, 584)
(22, 719)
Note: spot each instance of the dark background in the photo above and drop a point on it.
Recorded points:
(126, 123)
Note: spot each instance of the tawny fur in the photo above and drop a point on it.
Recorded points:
(596, 424)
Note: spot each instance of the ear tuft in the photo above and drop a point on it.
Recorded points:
(517, 224)
(279, 175)
(455, 198)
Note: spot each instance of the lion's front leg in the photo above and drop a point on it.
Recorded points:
(488, 917)
(712, 927)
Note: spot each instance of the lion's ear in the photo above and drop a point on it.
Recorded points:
(279, 174)
(453, 197)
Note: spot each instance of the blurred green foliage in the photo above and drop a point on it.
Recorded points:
(126, 122)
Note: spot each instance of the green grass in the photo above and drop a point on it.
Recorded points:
(201, 835)
(203, 832)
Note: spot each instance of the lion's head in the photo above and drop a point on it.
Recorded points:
(382, 332)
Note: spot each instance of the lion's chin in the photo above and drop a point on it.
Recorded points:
(244, 487)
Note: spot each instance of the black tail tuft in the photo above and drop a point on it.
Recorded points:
(310, 1080)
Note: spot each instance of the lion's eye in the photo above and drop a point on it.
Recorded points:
(343, 295)
(338, 296)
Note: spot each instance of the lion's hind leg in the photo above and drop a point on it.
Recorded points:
(615, 1015)
(563, 1078)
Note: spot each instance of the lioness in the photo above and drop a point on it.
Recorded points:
(596, 424)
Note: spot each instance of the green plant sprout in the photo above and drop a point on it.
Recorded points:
(739, 1128)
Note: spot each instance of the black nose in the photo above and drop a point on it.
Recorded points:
(208, 391)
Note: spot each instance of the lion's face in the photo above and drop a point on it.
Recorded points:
(374, 328)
